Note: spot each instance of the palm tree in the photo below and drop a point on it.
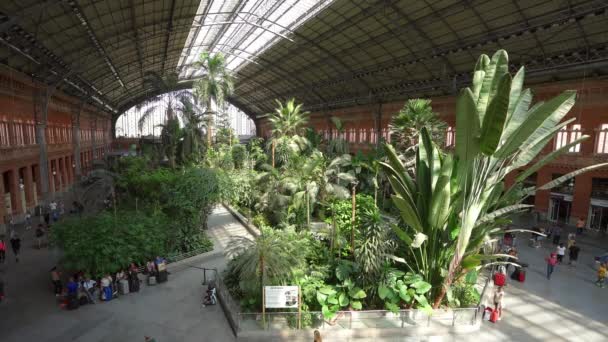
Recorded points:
(170, 136)
(287, 121)
(214, 87)
(338, 146)
(406, 125)
(270, 258)
(192, 115)
(159, 86)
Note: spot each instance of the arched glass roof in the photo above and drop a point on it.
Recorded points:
(327, 54)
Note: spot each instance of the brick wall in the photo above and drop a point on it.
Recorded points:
(20, 186)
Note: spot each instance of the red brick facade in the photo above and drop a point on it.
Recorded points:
(363, 125)
(20, 112)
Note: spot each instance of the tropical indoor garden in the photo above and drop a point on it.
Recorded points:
(401, 226)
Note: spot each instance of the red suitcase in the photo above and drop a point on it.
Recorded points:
(494, 316)
(522, 276)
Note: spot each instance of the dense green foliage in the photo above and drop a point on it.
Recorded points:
(104, 243)
(420, 250)
(160, 211)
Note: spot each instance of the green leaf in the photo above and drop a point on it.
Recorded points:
(327, 290)
(321, 298)
(467, 129)
(327, 313)
(495, 70)
(570, 175)
(383, 291)
(408, 213)
(404, 295)
(494, 119)
(423, 287)
(343, 299)
(332, 300)
(471, 277)
(470, 261)
(421, 300)
(356, 305)
(357, 293)
(401, 234)
(548, 158)
(554, 110)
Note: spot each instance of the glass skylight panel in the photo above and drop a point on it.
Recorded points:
(246, 34)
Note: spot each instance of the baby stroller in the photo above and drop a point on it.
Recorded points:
(210, 297)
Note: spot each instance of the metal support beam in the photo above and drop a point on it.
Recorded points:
(169, 31)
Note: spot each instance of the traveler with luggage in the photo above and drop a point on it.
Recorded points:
(573, 253)
(551, 262)
(498, 298)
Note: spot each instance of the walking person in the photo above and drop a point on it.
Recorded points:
(16, 245)
(556, 232)
(28, 220)
(601, 275)
(551, 262)
(2, 251)
(39, 235)
(498, 298)
(561, 251)
(580, 225)
(56, 279)
(571, 239)
(573, 253)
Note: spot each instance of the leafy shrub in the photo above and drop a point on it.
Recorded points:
(102, 243)
(239, 154)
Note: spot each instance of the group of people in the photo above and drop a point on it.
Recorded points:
(557, 257)
(81, 289)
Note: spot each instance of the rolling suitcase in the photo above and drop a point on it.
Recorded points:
(494, 316)
(151, 280)
(123, 287)
(521, 276)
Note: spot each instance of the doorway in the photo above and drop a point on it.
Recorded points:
(559, 209)
(598, 217)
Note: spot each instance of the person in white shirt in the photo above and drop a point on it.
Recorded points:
(561, 251)
(90, 289)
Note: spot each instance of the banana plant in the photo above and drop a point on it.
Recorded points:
(457, 200)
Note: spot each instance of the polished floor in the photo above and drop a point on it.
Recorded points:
(569, 307)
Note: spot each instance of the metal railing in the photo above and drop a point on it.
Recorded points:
(377, 319)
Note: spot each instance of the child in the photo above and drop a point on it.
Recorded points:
(601, 275)
(551, 262)
(498, 297)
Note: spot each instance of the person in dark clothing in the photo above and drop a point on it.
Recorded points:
(47, 218)
(72, 287)
(573, 253)
(557, 234)
(16, 245)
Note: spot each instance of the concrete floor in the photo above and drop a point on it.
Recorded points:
(169, 312)
(569, 307)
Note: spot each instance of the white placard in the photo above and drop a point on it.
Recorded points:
(281, 296)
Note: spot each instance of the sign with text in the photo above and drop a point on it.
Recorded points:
(280, 296)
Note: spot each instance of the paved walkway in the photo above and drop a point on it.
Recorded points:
(169, 312)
